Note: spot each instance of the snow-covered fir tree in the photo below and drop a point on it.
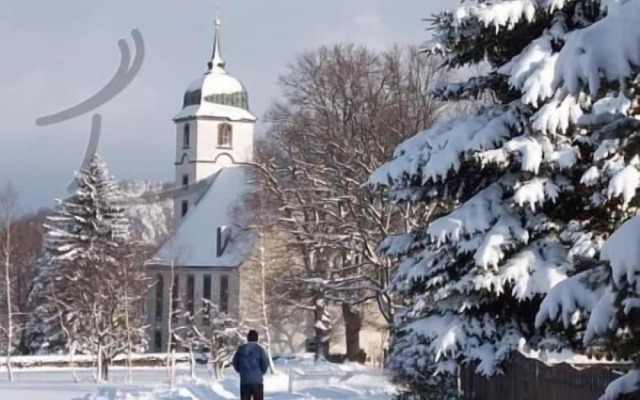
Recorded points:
(43, 330)
(521, 191)
(89, 288)
(601, 298)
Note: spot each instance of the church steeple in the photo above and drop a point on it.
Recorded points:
(216, 64)
(214, 129)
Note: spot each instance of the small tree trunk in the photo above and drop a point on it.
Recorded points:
(99, 368)
(169, 367)
(263, 295)
(352, 326)
(269, 354)
(129, 377)
(216, 370)
(322, 328)
(170, 312)
(7, 264)
(129, 366)
(72, 352)
(192, 363)
(105, 368)
(172, 369)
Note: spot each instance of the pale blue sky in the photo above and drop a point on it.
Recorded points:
(57, 53)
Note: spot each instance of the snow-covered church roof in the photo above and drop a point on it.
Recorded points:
(216, 94)
(196, 242)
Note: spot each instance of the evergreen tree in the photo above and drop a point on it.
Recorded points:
(512, 214)
(600, 299)
(43, 330)
(88, 284)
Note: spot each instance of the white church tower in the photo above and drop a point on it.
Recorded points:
(208, 256)
(214, 129)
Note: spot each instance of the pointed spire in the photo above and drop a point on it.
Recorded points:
(217, 63)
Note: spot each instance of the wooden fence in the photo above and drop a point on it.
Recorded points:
(530, 379)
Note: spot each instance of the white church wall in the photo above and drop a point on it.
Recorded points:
(204, 155)
(183, 166)
(198, 274)
(193, 133)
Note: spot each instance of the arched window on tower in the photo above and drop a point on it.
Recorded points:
(186, 133)
(225, 135)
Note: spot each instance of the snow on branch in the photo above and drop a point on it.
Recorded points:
(607, 49)
(555, 117)
(578, 293)
(436, 152)
(476, 215)
(450, 336)
(622, 252)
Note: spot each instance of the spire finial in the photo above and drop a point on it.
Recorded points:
(216, 63)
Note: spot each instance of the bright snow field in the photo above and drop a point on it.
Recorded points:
(310, 381)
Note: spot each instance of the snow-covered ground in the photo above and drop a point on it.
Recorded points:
(311, 381)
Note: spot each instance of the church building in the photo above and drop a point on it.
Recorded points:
(209, 254)
(214, 138)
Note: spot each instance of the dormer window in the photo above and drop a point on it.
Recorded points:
(225, 136)
(223, 236)
(186, 136)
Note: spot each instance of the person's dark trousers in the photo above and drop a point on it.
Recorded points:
(252, 392)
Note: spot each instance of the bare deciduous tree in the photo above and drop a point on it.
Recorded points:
(175, 304)
(28, 234)
(209, 329)
(345, 110)
(8, 215)
(262, 273)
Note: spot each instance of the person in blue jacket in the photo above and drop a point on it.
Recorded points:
(251, 362)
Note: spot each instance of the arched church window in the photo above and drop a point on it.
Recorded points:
(186, 133)
(159, 297)
(225, 135)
